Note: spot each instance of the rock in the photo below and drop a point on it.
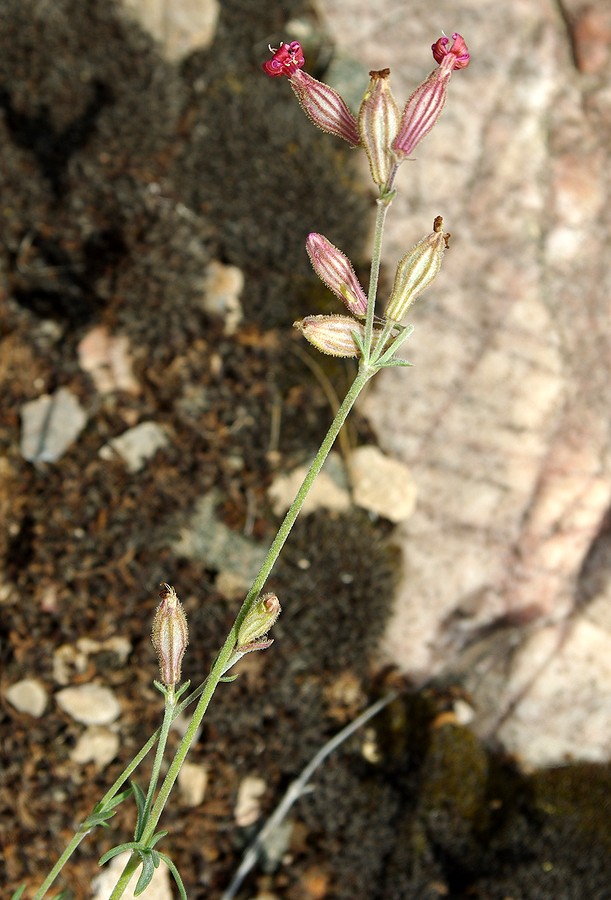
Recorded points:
(158, 889)
(330, 490)
(49, 425)
(192, 783)
(248, 808)
(97, 745)
(208, 539)
(504, 418)
(382, 485)
(136, 445)
(107, 359)
(91, 704)
(28, 696)
(223, 286)
(180, 26)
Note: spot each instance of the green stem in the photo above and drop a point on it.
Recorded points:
(383, 202)
(79, 836)
(224, 656)
(168, 718)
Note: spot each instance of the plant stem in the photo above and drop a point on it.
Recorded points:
(168, 718)
(219, 666)
(383, 203)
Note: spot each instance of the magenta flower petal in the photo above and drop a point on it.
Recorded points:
(287, 60)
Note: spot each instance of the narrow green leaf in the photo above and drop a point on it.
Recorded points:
(146, 876)
(18, 892)
(140, 798)
(396, 362)
(120, 848)
(177, 878)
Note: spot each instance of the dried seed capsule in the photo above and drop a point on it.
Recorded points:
(378, 124)
(333, 335)
(416, 271)
(259, 619)
(170, 635)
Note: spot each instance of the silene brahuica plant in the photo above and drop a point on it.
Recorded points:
(388, 135)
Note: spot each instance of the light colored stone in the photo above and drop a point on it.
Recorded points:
(571, 696)
(28, 696)
(248, 807)
(98, 745)
(91, 704)
(159, 888)
(206, 538)
(107, 359)
(49, 425)
(382, 485)
(192, 783)
(180, 26)
(328, 492)
(223, 286)
(504, 418)
(136, 445)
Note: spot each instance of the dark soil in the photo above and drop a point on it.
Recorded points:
(121, 177)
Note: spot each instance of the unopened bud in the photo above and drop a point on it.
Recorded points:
(170, 635)
(252, 634)
(335, 269)
(324, 107)
(333, 335)
(378, 124)
(416, 271)
(426, 103)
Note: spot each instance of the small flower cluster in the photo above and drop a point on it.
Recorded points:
(388, 137)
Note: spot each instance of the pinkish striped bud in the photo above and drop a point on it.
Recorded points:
(378, 124)
(324, 107)
(252, 634)
(426, 103)
(333, 335)
(335, 270)
(170, 635)
(416, 271)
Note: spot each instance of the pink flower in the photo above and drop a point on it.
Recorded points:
(320, 102)
(458, 50)
(287, 60)
(424, 106)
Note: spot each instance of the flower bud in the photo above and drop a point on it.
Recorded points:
(378, 124)
(424, 106)
(324, 107)
(333, 335)
(335, 270)
(416, 270)
(170, 635)
(252, 634)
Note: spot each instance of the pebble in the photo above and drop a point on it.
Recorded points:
(382, 485)
(136, 445)
(106, 358)
(248, 808)
(158, 889)
(179, 26)
(223, 286)
(28, 696)
(192, 783)
(49, 424)
(96, 744)
(91, 704)
(330, 490)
